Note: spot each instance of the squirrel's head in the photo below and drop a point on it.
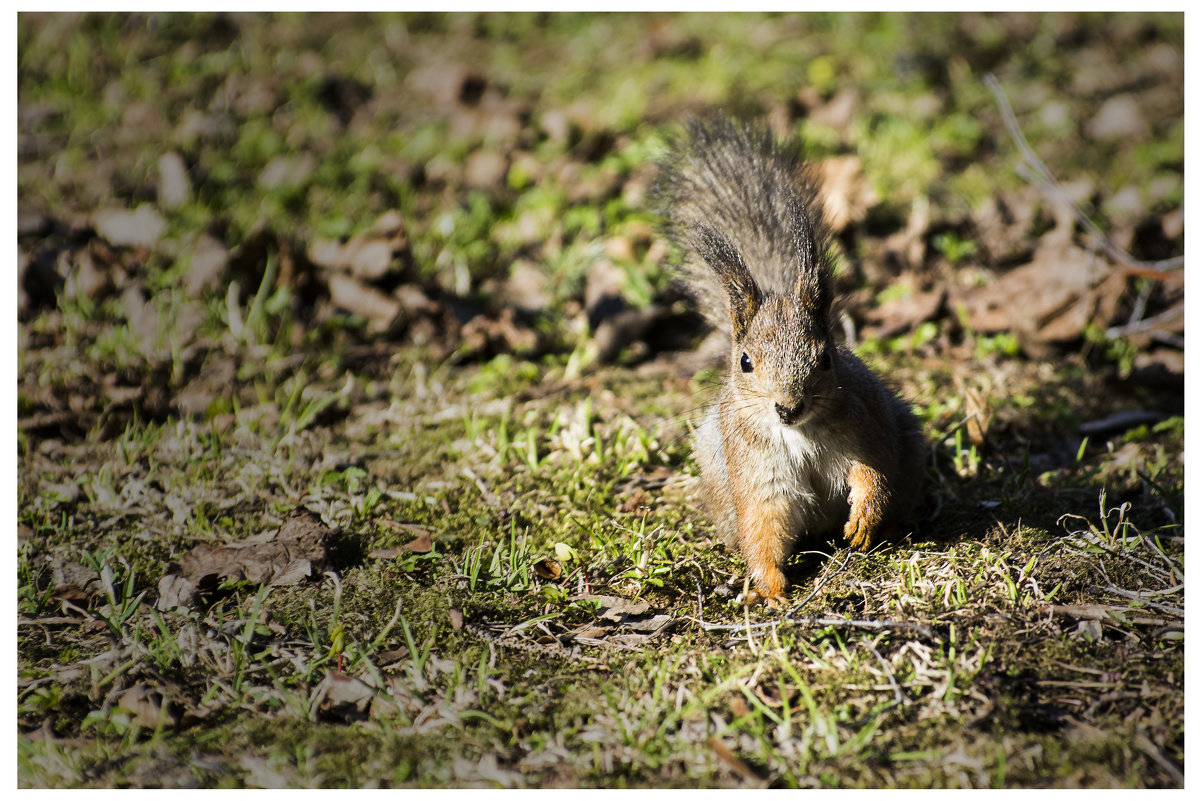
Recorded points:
(783, 355)
(785, 364)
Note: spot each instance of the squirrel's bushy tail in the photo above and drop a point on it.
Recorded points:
(733, 180)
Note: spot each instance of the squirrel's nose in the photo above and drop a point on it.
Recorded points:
(790, 414)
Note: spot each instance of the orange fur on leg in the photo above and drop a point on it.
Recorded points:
(764, 539)
(869, 498)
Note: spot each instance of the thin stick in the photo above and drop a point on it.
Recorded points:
(836, 622)
(826, 578)
(1037, 172)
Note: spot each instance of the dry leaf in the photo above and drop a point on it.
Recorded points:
(175, 591)
(446, 84)
(502, 334)
(75, 583)
(485, 169)
(906, 312)
(343, 698)
(614, 608)
(526, 287)
(1049, 299)
(286, 171)
(379, 309)
(174, 187)
(548, 569)
(369, 259)
(286, 556)
(87, 280)
(260, 774)
(149, 707)
(141, 227)
(420, 545)
(847, 195)
(143, 317)
(651, 625)
(209, 259)
(1119, 118)
(472, 774)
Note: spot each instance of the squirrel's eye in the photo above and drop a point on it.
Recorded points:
(824, 361)
(745, 363)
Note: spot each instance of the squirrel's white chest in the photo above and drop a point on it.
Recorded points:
(803, 468)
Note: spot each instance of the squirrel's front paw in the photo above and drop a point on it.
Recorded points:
(861, 535)
(868, 499)
(858, 533)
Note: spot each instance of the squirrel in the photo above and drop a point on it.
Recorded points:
(803, 438)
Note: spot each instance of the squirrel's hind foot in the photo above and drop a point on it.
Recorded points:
(774, 602)
(769, 590)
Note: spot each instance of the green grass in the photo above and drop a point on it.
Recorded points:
(573, 622)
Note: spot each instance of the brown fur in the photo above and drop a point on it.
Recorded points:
(803, 441)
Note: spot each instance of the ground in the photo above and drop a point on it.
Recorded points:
(354, 398)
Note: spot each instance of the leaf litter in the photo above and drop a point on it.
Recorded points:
(229, 402)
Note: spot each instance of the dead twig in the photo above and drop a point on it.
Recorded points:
(827, 576)
(1034, 170)
(835, 622)
(1144, 744)
(1100, 613)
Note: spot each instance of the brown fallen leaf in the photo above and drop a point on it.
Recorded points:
(525, 288)
(1051, 299)
(1003, 224)
(1119, 118)
(548, 569)
(342, 698)
(500, 334)
(379, 309)
(143, 317)
(175, 591)
(904, 313)
(297, 550)
(149, 707)
(422, 544)
(287, 171)
(485, 169)
(209, 260)
(369, 259)
(446, 84)
(977, 411)
(847, 194)
(615, 608)
(648, 625)
(906, 248)
(215, 381)
(139, 227)
(75, 584)
(174, 186)
(91, 278)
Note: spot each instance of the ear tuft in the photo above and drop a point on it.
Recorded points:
(742, 293)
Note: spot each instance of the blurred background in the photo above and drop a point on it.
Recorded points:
(476, 184)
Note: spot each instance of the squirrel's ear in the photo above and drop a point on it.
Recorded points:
(742, 293)
(813, 285)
